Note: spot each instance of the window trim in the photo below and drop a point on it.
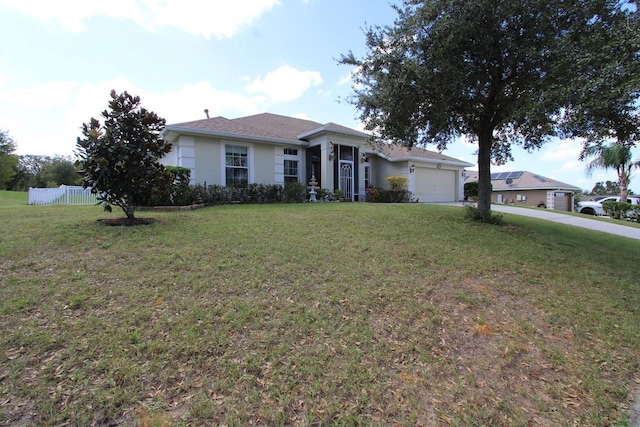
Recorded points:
(292, 157)
(223, 160)
(285, 175)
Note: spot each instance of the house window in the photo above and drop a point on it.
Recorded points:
(237, 165)
(290, 152)
(367, 176)
(291, 170)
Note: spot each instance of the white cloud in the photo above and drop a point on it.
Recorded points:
(561, 150)
(302, 116)
(221, 19)
(46, 119)
(48, 95)
(575, 166)
(285, 84)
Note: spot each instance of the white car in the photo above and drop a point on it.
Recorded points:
(595, 207)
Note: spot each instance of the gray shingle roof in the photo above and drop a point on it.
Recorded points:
(266, 125)
(523, 180)
(395, 151)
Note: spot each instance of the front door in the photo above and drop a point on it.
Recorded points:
(345, 179)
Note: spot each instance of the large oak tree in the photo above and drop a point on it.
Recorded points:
(497, 71)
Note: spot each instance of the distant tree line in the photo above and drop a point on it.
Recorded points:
(18, 173)
(608, 188)
(42, 172)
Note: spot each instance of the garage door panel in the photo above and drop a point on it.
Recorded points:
(435, 185)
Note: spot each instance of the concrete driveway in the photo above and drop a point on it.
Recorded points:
(584, 222)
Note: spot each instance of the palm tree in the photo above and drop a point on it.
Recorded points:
(615, 156)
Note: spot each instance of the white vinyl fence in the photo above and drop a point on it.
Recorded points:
(63, 195)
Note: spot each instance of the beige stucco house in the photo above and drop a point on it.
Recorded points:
(529, 189)
(274, 149)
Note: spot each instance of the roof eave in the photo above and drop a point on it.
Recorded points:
(428, 160)
(550, 187)
(171, 133)
(324, 129)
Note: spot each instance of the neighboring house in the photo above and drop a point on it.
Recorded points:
(273, 149)
(529, 189)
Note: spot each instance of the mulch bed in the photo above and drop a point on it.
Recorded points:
(127, 222)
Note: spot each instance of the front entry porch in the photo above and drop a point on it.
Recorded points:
(335, 168)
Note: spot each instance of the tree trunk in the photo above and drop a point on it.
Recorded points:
(130, 208)
(624, 184)
(485, 141)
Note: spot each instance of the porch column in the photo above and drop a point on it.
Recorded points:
(327, 157)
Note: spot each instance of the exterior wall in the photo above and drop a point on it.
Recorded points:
(207, 161)
(533, 197)
(263, 164)
(380, 169)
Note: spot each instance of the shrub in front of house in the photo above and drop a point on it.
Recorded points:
(295, 192)
(248, 193)
(397, 192)
(171, 188)
(471, 191)
(380, 195)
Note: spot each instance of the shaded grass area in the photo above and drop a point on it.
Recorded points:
(314, 314)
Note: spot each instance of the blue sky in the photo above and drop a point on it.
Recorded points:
(60, 59)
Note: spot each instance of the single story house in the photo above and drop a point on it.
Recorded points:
(529, 189)
(274, 149)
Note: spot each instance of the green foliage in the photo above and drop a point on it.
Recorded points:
(8, 160)
(44, 172)
(499, 72)
(250, 193)
(324, 194)
(397, 183)
(175, 191)
(471, 190)
(609, 188)
(616, 156)
(380, 195)
(119, 160)
(57, 171)
(603, 96)
(295, 192)
(617, 210)
(471, 213)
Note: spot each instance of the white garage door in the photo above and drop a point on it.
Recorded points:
(435, 185)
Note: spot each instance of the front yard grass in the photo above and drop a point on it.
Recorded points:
(314, 314)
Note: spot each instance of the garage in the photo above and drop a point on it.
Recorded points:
(562, 201)
(435, 185)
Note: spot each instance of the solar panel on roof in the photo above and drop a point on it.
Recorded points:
(541, 178)
(506, 175)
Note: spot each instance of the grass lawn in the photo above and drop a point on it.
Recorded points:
(317, 314)
(13, 198)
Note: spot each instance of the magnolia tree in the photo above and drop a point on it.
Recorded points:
(118, 160)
